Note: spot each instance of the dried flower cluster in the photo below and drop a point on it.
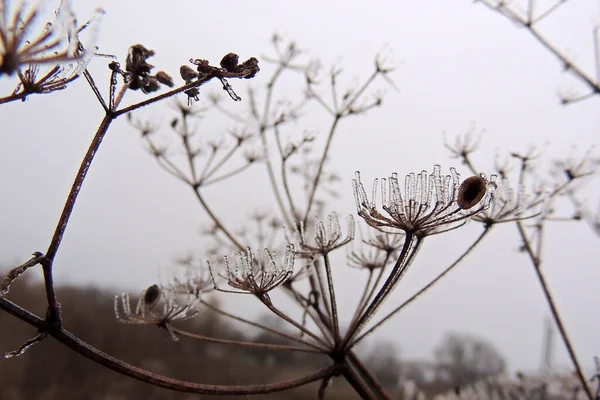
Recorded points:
(431, 203)
(424, 204)
(139, 71)
(145, 313)
(257, 276)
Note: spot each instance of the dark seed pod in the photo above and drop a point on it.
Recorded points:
(229, 62)
(471, 191)
(187, 73)
(150, 84)
(164, 78)
(249, 68)
(152, 296)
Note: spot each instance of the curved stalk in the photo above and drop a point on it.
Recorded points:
(317, 179)
(263, 327)
(334, 308)
(110, 362)
(217, 221)
(281, 315)
(242, 343)
(409, 249)
(423, 289)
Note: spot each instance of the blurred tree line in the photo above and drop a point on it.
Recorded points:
(89, 313)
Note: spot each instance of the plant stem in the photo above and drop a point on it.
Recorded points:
(90, 352)
(409, 249)
(267, 346)
(53, 314)
(536, 261)
(217, 221)
(315, 185)
(334, 308)
(357, 383)
(263, 327)
(282, 315)
(424, 288)
(76, 187)
(368, 377)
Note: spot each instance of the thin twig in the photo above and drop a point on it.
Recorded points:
(409, 249)
(263, 327)
(289, 320)
(317, 178)
(217, 221)
(221, 162)
(185, 138)
(574, 69)
(227, 174)
(313, 311)
(284, 176)
(267, 346)
(17, 271)
(424, 288)
(290, 220)
(362, 305)
(537, 263)
(334, 307)
(94, 87)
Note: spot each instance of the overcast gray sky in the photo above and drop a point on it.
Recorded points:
(459, 65)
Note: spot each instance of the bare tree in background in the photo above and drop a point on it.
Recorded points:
(464, 360)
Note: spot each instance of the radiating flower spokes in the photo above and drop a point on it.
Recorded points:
(431, 203)
(258, 276)
(145, 313)
(510, 205)
(327, 238)
(369, 260)
(191, 278)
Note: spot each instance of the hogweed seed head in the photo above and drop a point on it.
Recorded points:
(388, 242)
(327, 239)
(257, 276)
(55, 79)
(191, 278)
(430, 204)
(139, 71)
(145, 314)
(370, 260)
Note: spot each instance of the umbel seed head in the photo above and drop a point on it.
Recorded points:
(430, 203)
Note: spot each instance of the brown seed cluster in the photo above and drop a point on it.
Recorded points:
(139, 70)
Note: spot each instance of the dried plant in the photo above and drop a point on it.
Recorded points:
(301, 181)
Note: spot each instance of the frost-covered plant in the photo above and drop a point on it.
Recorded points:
(299, 176)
